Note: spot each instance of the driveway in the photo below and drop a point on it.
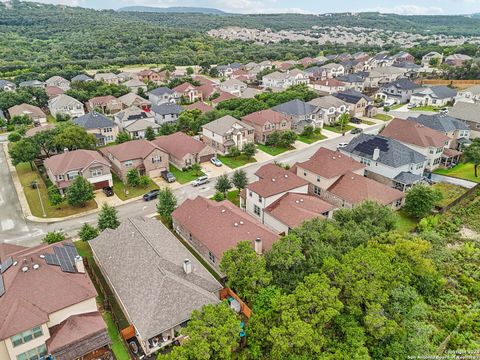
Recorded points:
(213, 171)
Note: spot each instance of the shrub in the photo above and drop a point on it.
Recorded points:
(54, 237)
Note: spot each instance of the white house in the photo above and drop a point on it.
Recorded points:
(64, 104)
(59, 82)
(470, 95)
(433, 96)
(233, 86)
(330, 108)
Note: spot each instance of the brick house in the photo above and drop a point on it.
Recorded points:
(266, 122)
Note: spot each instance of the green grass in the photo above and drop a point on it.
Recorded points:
(338, 129)
(450, 193)
(426, 108)
(27, 176)
(184, 177)
(119, 189)
(274, 150)
(311, 139)
(367, 122)
(51, 119)
(383, 117)
(235, 162)
(462, 171)
(396, 106)
(405, 223)
(232, 196)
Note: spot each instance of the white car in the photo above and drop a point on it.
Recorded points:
(200, 181)
(342, 145)
(411, 106)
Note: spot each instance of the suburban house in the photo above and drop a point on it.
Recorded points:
(137, 129)
(274, 182)
(141, 154)
(109, 78)
(381, 59)
(334, 70)
(266, 122)
(316, 73)
(433, 96)
(81, 78)
(470, 95)
(200, 106)
(328, 86)
(48, 306)
(33, 112)
(59, 82)
(292, 209)
(134, 85)
(227, 70)
(169, 281)
(352, 81)
(32, 83)
(359, 103)
(66, 105)
(212, 228)
(104, 129)
(306, 61)
(233, 86)
(189, 92)
(353, 66)
(398, 91)
(428, 142)
(132, 114)
(457, 59)
(132, 99)
(403, 56)
(184, 150)
(166, 113)
(63, 168)
(222, 97)
(162, 95)
(427, 59)
(53, 91)
(469, 113)
(300, 114)
(283, 80)
(125, 76)
(331, 108)
(223, 133)
(382, 75)
(150, 75)
(387, 160)
(6, 85)
(106, 104)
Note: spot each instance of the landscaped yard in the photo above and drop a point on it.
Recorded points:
(396, 106)
(450, 192)
(232, 196)
(273, 150)
(27, 176)
(51, 119)
(383, 117)
(405, 223)
(185, 176)
(367, 122)
(237, 161)
(462, 171)
(339, 129)
(119, 188)
(312, 138)
(425, 108)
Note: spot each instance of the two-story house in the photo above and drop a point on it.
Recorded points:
(133, 114)
(150, 75)
(359, 103)
(467, 112)
(48, 305)
(403, 56)
(166, 113)
(457, 59)
(328, 86)
(109, 78)
(266, 122)
(334, 70)
(34, 113)
(106, 104)
(132, 99)
(223, 133)
(397, 92)
(135, 85)
(330, 108)
(431, 57)
(189, 92)
(162, 95)
(6, 85)
(428, 142)
(140, 154)
(387, 160)
(352, 81)
(59, 82)
(383, 75)
(274, 80)
(233, 86)
(63, 168)
(66, 105)
(316, 73)
(433, 96)
(300, 114)
(470, 95)
(104, 129)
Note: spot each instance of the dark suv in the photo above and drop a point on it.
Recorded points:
(169, 177)
(107, 190)
(151, 195)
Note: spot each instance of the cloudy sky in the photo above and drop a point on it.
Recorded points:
(429, 7)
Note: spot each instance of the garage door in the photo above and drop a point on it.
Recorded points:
(101, 184)
(205, 158)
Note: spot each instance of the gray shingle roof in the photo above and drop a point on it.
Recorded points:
(167, 108)
(466, 111)
(352, 96)
(402, 84)
(224, 124)
(295, 107)
(439, 122)
(439, 92)
(161, 91)
(392, 152)
(351, 78)
(407, 178)
(143, 262)
(93, 120)
(82, 77)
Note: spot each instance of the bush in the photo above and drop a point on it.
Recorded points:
(61, 117)
(143, 181)
(218, 196)
(54, 237)
(308, 131)
(88, 232)
(233, 152)
(14, 137)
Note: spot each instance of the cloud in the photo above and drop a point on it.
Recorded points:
(410, 10)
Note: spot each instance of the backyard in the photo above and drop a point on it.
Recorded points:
(383, 117)
(274, 150)
(120, 189)
(463, 171)
(27, 176)
(450, 193)
(235, 161)
(184, 177)
(405, 223)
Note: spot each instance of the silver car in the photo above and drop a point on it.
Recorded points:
(200, 181)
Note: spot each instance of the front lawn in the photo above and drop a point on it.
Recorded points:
(27, 176)
(339, 129)
(450, 193)
(383, 117)
(236, 161)
(273, 150)
(367, 122)
(184, 177)
(312, 138)
(51, 119)
(426, 108)
(120, 189)
(405, 223)
(396, 106)
(463, 171)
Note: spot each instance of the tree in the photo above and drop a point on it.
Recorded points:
(189, 71)
(421, 199)
(133, 177)
(25, 150)
(46, 141)
(167, 202)
(53, 237)
(246, 271)
(123, 137)
(54, 196)
(108, 218)
(150, 133)
(144, 181)
(21, 120)
(240, 179)
(196, 168)
(79, 192)
(74, 137)
(308, 131)
(472, 154)
(233, 151)
(88, 232)
(343, 120)
(213, 333)
(287, 139)
(14, 137)
(218, 196)
(249, 150)
(61, 117)
(223, 184)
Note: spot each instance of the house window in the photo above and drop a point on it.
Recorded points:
(318, 178)
(156, 159)
(259, 198)
(365, 161)
(128, 163)
(256, 210)
(304, 173)
(419, 166)
(317, 191)
(60, 177)
(26, 336)
(97, 172)
(211, 256)
(398, 203)
(34, 354)
(105, 130)
(72, 175)
(250, 193)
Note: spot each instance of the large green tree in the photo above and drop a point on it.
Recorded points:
(108, 218)
(79, 192)
(167, 202)
(25, 150)
(239, 179)
(421, 199)
(74, 137)
(472, 154)
(223, 184)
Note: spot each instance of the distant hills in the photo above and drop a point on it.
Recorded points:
(174, 9)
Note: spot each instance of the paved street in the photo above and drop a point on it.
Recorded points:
(137, 208)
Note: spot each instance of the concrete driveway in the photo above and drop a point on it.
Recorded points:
(213, 171)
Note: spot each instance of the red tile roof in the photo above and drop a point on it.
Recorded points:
(328, 163)
(179, 144)
(355, 188)
(263, 116)
(411, 132)
(73, 160)
(329, 82)
(204, 80)
(183, 87)
(130, 150)
(223, 96)
(207, 90)
(275, 180)
(219, 226)
(53, 91)
(199, 106)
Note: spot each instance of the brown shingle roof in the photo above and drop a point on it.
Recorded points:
(220, 225)
(73, 160)
(411, 132)
(130, 150)
(263, 116)
(355, 188)
(182, 87)
(223, 97)
(101, 100)
(275, 180)
(179, 144)
(199, 106)
(328, 163)
(293, 209)
(23, 109)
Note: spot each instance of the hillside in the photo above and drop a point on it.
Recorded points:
(173, 9)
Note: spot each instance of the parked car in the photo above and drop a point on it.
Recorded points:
(356, 131)
(355, 120)
(411, 106)
(151, 195)
(169, 177)
(216, 162)
(108, 191)
(342, 145)
(443, 111)
(200, 181)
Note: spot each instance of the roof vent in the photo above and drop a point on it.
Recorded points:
(236, 224)
(223, 210)
(187, 266)
(15, 263)
(301, 200)
(25, 269)
(36, 266)
(273, 179)
(297, 202)
(42, 256)
(286, 175)
(241, 222)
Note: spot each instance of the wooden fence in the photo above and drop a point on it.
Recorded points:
(454, 83)
(459, 199)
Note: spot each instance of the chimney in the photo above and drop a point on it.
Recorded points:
(376, 154)
(79, 264)
(65, 150)
(187, 266)
(258, 246)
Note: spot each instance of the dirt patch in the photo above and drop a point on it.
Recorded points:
(467, 233)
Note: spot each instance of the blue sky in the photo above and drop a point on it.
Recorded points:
(308, 6)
